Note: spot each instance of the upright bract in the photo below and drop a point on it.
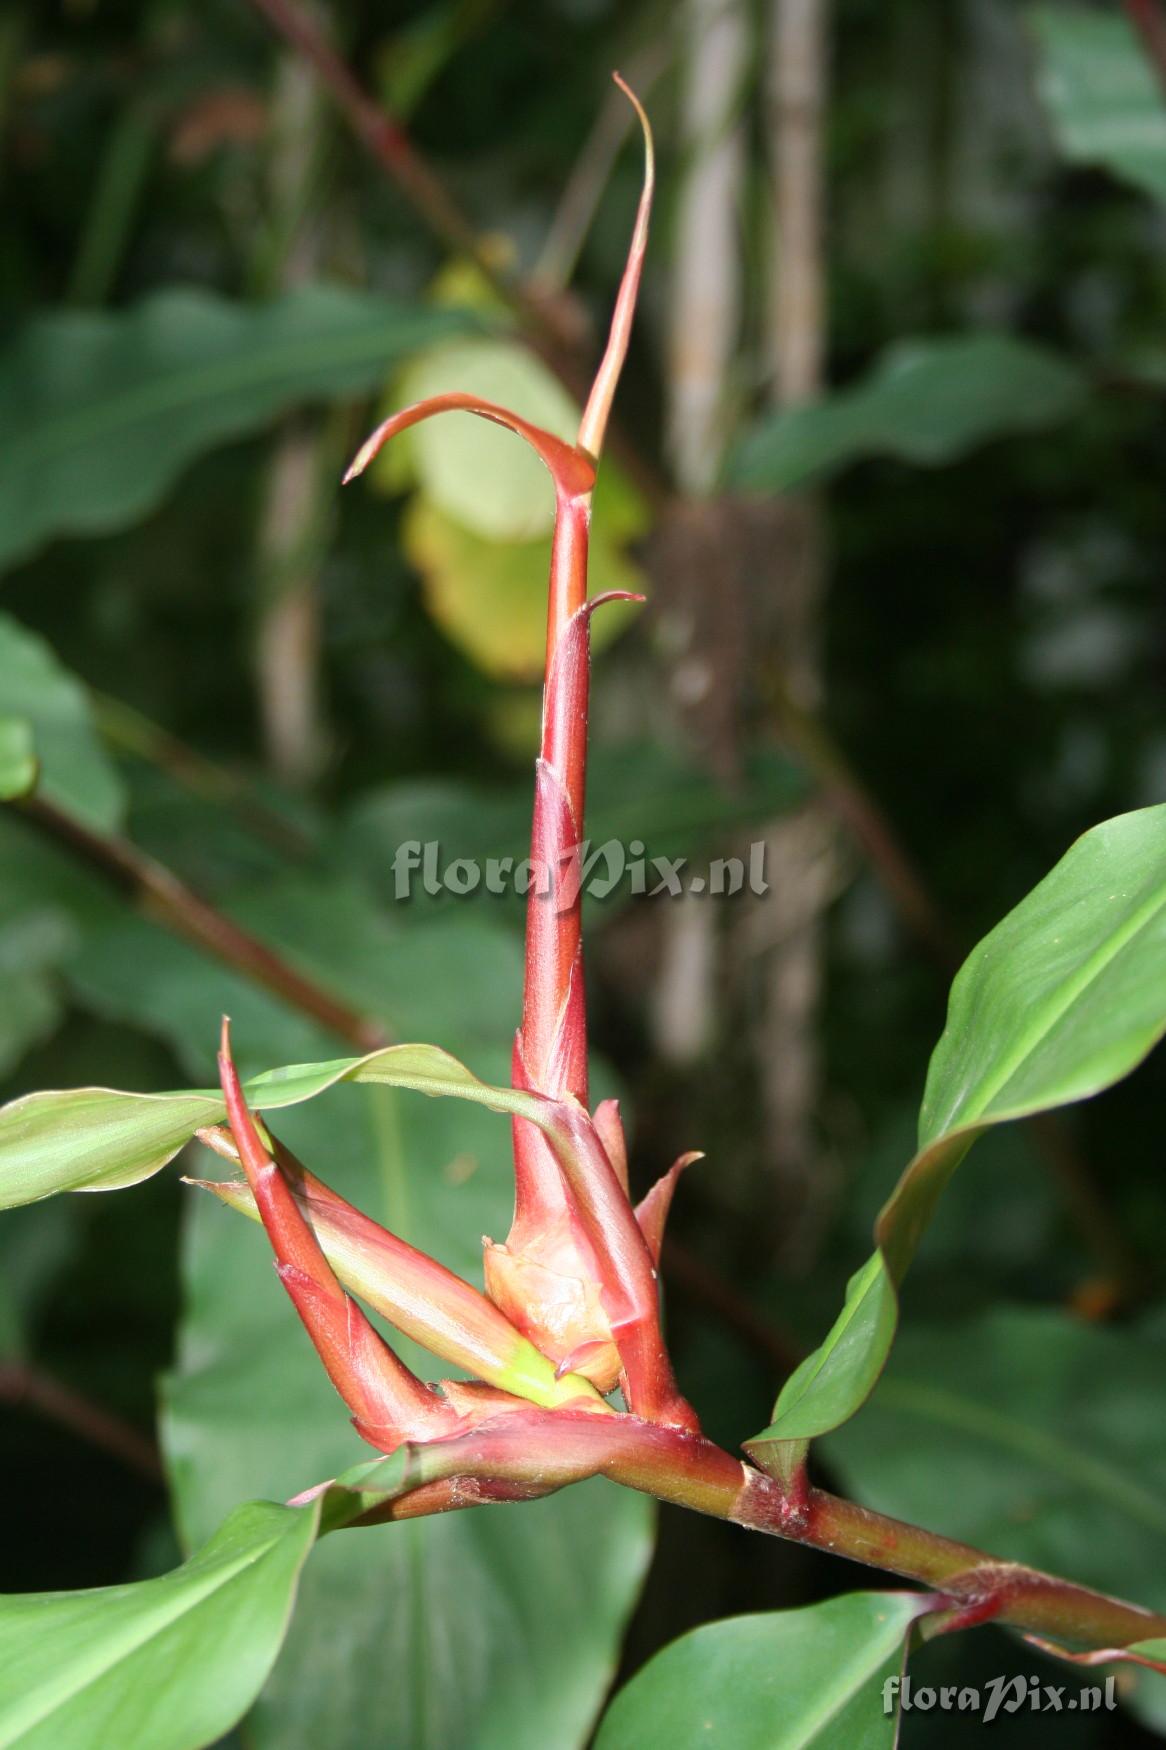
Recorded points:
(576, 1273)
(573, 1302)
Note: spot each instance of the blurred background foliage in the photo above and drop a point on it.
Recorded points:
(891, 479)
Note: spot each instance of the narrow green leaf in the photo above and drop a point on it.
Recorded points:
(1063, 998)
(100, 413)
(98, 1139)
(828, 1385)
(1098, 85)
(53, 745)
(927, 401)
(361, 1488)
(809, 1679)
(167, 1664)
(1153, 1650)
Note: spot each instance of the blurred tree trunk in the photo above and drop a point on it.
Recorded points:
(696, 551)
(799, 857)
(295, 520)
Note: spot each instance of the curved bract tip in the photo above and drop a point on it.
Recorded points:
(571, 470)
(593, 425)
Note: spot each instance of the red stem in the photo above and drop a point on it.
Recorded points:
(554, 1449)
(23, 1383)
(1150, 23)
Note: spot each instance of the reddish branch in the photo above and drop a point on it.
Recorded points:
(537, 1452)
(163, 895)
(1150, 23)
(28, 1386)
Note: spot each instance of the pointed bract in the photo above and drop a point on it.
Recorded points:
(379, 1389)
(652, 1210)
(593, 427)
(572, 472)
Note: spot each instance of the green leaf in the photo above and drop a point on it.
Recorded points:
(829, 1384)
(98, 1139)
(498, 1630)
(1149, 1650)
(925, 401)
(99, 414)
(807, 1679)
(17, 758)
(58, 734)
(1142, 1689)
(1063, 998)
(167, 1664)
(1027, 1433)
(1099, 88)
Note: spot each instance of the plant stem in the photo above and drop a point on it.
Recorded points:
(532, 1454)
(1150, 23)
(22, 1383)
(131, 732)
(164, 896)
(389, 144)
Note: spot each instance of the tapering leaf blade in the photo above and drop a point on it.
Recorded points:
(788, 1680)
(166, 1664)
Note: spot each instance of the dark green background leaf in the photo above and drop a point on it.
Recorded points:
(1103, 100)
(926, 401)
(99, 414)
(75, 771)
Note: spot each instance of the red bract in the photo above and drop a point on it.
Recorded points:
(573, 1304)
